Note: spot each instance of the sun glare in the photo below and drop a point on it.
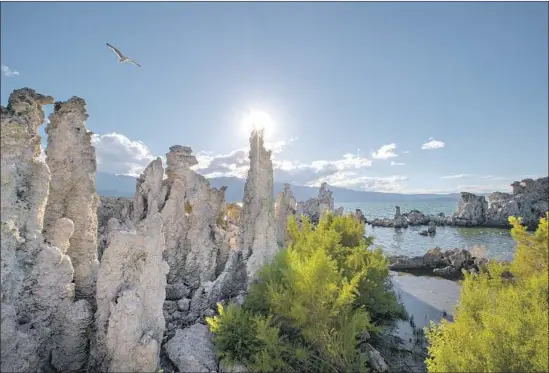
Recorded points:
(258, 120)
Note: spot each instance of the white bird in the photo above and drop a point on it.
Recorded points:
(121, 57)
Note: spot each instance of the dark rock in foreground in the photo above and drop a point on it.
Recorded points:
(448, 264)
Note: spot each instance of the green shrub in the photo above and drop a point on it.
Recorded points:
(501, 322)
(241, 337)
(311, 305)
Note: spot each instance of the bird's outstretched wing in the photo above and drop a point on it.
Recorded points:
(132, 61)
(116, 51)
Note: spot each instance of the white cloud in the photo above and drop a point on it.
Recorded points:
(393, 163)
(236, 163)
(9, 72)
(277, 147)
(457, 176)
(352, 180)
(385, 152)
(433, 144)
(116, 154)
(406, 152)
(495, 177)
(471, 188)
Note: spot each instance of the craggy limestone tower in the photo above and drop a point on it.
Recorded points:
(71, 159)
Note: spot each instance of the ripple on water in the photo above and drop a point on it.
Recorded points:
(498, 242)
(407, 241)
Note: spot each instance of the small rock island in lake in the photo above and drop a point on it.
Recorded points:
(529, 200)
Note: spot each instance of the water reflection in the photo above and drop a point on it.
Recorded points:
(407, 241)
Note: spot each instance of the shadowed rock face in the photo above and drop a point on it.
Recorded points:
(190, 214)
(72, 194)
(471, 209)
(314, 208)
(25, 179)
(113, 214)
(257, 221)
(148, 197)
(41, 325)
(286, 206)
(529, 200)
(435, 262)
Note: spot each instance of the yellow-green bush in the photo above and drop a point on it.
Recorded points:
(311, 304)
(501, 322)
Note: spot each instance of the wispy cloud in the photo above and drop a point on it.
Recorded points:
(433, 144)
(385, 152)
(8, 71)
(457, 176)
(491, 177)
(471, 188)
(406, 152)
(388, 184)
(393, 163)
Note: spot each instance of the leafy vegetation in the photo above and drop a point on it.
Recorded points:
(312, 304)
(501, 323)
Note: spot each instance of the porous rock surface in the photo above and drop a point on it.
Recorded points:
(149, 197)
(113, 214)
(529, 200)
(200, 230)
(449, 263)
(314, 208)
(471, 209)
(129, 322)
(71, 160)
(41, 326)
(191, 350)
(257, 221)
(285, 207)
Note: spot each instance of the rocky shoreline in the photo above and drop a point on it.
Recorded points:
(447, 264)
(529, 200)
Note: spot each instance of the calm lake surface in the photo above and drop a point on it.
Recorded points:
(427, 298)
(407, 241)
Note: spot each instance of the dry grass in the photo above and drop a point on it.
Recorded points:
(188, 207)
(233, 211)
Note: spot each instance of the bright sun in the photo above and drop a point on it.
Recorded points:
(258, 120)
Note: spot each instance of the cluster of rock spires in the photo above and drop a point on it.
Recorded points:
(113, 284)
(529, 200)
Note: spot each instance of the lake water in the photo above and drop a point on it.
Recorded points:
(407, 241)
(426, 298)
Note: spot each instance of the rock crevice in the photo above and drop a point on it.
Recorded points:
(41, 326)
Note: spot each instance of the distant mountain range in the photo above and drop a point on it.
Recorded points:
(110, 185)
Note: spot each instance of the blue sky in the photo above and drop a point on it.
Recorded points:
(355, 90)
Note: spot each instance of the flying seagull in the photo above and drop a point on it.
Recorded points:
(121, 57)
